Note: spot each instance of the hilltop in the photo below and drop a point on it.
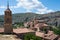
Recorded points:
(22, 17)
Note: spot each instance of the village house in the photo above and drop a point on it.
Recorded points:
(41, 29)
(36, 25)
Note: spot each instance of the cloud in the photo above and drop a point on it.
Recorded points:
(30, 5)
(50, 11)
(2, 7)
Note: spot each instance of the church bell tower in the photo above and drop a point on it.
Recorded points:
(8, 20)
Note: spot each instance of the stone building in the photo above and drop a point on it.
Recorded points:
(8, 20)
(36, 24)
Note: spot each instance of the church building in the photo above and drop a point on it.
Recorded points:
(8, 20)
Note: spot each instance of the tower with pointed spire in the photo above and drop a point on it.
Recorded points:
(8, 20)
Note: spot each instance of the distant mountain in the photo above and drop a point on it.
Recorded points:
(21, 17)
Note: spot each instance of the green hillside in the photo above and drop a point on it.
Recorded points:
(20, 17)
(50, 18)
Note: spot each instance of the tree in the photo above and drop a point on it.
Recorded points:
(26, 19)
(56, 31)
(31, 36)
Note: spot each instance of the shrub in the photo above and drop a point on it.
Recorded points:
(30, 36)
(56, 31)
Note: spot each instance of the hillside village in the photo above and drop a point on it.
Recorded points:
(29, 26)
(50, 18)
(38, 27)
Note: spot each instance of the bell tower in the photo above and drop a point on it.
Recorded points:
(8, 20)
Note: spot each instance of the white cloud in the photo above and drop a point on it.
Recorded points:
(2, 7)
(30, 5)
(33, 4)
(50, 11)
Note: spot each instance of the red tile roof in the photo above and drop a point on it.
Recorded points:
(19, 30)
(22, 30)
